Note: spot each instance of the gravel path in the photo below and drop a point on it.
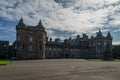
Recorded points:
(60, 69)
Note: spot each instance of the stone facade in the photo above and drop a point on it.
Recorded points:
(80, 47)
(32, 42)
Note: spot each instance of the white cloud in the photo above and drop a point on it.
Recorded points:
(64, 15)
(116, 43)
(116, 30)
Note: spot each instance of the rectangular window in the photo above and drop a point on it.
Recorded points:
(30, 39)
(31, 33)
(99, 51)
(23, 47)
(30, 48)
(99, 43)
(50, 49)
(105, 44)
(18, 38)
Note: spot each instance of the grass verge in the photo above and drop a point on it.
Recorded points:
(4, 61)
(115, 60)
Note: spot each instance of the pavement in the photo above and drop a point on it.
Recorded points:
(60, 69)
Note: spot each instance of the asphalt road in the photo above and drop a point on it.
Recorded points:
(60, 69)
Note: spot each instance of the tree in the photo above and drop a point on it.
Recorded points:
(116, 52)
(107, 55)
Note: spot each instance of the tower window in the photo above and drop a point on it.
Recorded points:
(18, 38)
(30, 39)
(30, 48)
(99, 51)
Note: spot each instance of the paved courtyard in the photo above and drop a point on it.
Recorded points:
(60, 69)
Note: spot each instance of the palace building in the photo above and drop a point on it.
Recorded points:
(32, 43)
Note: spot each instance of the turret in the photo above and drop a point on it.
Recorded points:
(21, 23)
(40, 25)
(99, 34)
(109, 35)
(69, 38)
(92, 37)
(85, 36)
(78, 36)
(50, 39)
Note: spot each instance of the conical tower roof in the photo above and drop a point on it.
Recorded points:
(40, 25)
(109, 35)
(99, 34)
(21, 22)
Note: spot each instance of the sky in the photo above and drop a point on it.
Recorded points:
(61, 18)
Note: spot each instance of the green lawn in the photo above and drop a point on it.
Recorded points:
(4, 61)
